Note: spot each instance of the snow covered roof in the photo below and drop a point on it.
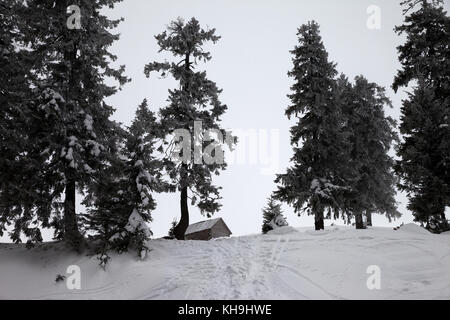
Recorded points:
(202, 225)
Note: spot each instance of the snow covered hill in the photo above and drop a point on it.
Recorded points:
(286, 264)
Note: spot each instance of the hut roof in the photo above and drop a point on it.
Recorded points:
(202, 225)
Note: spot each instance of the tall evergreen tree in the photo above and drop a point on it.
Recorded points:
(196, 99)
(316, 180)
(71, 135)
(371, 135)
(17, 172)
(424, 167)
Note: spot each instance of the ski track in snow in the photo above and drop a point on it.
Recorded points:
(287, 264)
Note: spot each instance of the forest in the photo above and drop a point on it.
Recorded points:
(58, 140)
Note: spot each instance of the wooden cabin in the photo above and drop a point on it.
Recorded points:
(207, 230)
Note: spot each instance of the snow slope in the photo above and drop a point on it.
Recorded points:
(286, 264)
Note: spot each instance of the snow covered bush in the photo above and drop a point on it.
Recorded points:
(272, 216)
(135, 234)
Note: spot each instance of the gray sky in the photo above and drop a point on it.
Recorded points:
(250, 64)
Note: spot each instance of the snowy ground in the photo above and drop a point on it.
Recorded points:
(288, 264)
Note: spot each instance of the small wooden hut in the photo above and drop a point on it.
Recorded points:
(207, 230)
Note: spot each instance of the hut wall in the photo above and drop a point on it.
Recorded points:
(201, 235)
(220, 230)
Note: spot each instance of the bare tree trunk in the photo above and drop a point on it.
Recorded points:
(445, 221)
(181, 227)
(369, 218)
(72, 234)
(317, 209)
(359, 221)
(318, 220)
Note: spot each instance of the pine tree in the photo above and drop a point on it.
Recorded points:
(122, 200)
(424, 167)
(316, 180)
(423, 164)
(371, 135)
(17, 173)
(272, 216)
(196, 99)
(70, 135)
(173, 224)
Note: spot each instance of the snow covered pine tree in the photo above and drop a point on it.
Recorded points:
(122, 201)
(273, 216)
(196, 99)
(316, 180)
(70, 136)
(370, 135)
(424, 167)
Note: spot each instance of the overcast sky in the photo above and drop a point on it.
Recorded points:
(250, 63)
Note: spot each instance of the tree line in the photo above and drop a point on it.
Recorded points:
(341, 167)
(58, 139)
